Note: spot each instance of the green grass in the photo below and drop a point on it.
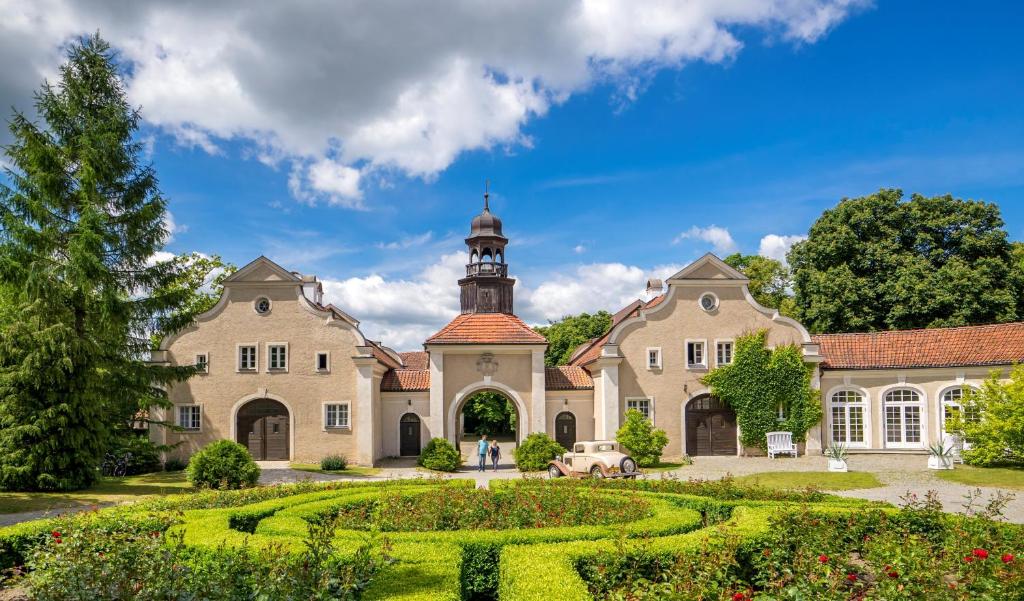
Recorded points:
(107, 490)
(817, 480)
(355, 471)
(998, 477)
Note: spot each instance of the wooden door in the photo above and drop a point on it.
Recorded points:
(710, 427)
(409, 437)
(255, 441)
(565, 429)
(275, 438)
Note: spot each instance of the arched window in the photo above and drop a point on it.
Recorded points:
(486, 255)
(903, 421)
(501, 256)
(473, 256)
(952, 403)
(846, 412)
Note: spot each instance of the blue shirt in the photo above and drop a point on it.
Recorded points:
(482, 446)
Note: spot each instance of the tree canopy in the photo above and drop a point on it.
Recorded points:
(566, 334)
(80, 223)
(882, 262)
(770, 280)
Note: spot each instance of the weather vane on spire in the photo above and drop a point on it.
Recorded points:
(487, 193)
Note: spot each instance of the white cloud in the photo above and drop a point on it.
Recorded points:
(718, 237)
(172, 227)
(407, 242)
(404, 312)
(775, 246)
(579, 249)
(338, 89)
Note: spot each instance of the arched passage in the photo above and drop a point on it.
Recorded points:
(264, 427)
(710, 427)
(466, 440)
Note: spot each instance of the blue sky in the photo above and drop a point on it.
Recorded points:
(612, 172)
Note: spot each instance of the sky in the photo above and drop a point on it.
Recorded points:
(621, 140)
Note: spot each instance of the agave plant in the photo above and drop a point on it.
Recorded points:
(940, 450)
(836, 452)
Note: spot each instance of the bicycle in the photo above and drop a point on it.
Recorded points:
(116, 465)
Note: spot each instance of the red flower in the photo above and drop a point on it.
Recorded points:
(980, 553)
(823, 558)
(968, 559)
(1007, 557)
(893, 574)
(55, 534)
(739, 597)
(851, 577)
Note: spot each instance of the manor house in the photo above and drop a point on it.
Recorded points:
(293, 378)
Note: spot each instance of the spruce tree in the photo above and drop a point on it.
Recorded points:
(80, 221)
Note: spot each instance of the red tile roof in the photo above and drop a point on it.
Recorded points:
(414, 359)
(486, 328)
(998, 344)
(382, 356)
(567, 377)
(405, 380)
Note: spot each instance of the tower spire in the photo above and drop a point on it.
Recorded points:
(487, 194)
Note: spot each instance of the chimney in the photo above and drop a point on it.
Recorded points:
(654, 289)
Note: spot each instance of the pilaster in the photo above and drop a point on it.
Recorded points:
(538, 411)
(435, 422)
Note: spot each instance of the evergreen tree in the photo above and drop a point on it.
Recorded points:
(79, 224)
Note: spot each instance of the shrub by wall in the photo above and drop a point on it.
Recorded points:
(644, 442)
(534, 453)
(222, 464)
(440, 455)
(334, 463)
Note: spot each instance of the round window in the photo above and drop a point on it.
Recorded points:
(708, 302)
(263, 305)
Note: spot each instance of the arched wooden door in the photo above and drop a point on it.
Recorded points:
(565, 429)
(710, 427)
(409, 435)
(263, 426)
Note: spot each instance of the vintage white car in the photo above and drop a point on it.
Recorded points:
(598, 458)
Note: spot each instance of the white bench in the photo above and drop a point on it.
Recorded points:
(781, 443)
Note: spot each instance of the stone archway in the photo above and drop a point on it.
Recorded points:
(710, 427)
(264, 427)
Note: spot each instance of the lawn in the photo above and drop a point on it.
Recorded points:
(998, 477)
(664, 466)
(818, 480)
(354, 471)
(107, 490)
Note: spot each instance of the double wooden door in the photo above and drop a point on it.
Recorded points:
(710, 427)
(263, 427)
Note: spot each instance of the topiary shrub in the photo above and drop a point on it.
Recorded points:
(440, 455)
(645, 442)
(222, 464)
(334, 463)
(536, 450)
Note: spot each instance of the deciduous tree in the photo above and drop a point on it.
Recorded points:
(770, 280)
(566, 334)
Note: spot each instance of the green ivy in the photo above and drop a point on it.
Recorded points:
(758, 381)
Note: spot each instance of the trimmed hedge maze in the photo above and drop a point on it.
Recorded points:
(547, 531)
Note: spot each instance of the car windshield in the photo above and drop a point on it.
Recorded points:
(606, 447)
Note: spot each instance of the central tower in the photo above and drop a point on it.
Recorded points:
(486, 287)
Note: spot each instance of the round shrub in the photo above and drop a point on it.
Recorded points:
(536, 451)
(334, 463)
(644, 442)
(222, 464)
(440, 455)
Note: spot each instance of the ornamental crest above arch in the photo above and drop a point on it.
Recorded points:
(486, 365)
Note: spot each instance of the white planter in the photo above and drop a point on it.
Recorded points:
(837, 465)
(940, 463)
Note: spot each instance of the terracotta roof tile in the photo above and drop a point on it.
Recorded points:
(567, 377)
(405, 380)
(998, 344)
(486, 328)
(382, 356)
(414, 359)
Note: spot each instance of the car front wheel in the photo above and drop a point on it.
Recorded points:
(627, 465)
(595, 472)
(554, 472)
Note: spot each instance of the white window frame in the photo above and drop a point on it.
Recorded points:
(865, 406)
(256, 357)
(657, 364)
(718, 354)
(316, 362)
(192, 406)
(202, 367)
(718, 301)
(348, 412)
(273, 345)
(944, 404)
(704, 353)
(922, 411)
(650, 405)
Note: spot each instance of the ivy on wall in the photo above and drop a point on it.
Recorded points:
(759, 381)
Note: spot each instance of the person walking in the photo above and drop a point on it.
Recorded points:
(495, 454)
(482, 447)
